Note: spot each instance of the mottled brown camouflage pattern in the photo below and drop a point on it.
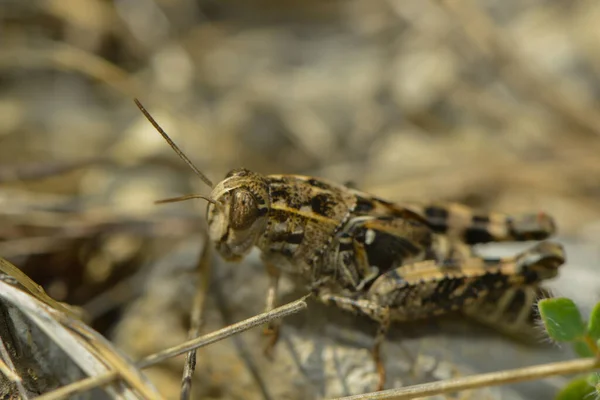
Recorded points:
(384, 260)
(388, 261)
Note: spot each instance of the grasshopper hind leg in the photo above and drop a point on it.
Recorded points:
(513, 311)
(473, 286)
(472, 227)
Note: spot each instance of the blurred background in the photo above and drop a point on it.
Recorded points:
(490, 103)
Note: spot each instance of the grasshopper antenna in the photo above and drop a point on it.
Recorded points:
(187, 197)
(175, 148)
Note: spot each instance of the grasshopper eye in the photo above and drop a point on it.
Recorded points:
(244, 210)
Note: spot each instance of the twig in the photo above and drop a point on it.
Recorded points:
(80, 343)
(483, 380)
(81, 386)
(9, 373)
(34, 289)
(103, 350)
(8, 369)
(221, 334)
(103, 379)
(196, 319)
(243, 356)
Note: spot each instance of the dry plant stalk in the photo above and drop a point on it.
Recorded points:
(83, 346)
(8, 369)
(202, 341)
(196, 319)
(482, 380)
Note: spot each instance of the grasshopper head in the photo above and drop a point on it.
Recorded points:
(239, 216)
(238, 206)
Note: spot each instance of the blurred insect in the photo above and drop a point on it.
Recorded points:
(390, 262)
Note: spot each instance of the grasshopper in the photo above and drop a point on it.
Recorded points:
(387, 261)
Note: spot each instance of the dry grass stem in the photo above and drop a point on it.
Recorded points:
(100, 380)
(205, 340)
(196, 319)
(80, 386)
(100, 346)
(483, 380)
(8, 369)
(86, 348)
(35, 289)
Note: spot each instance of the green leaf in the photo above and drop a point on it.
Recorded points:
(578, 389)
(594, 323)
(582, 349)
(593, 380)
(562, 319)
